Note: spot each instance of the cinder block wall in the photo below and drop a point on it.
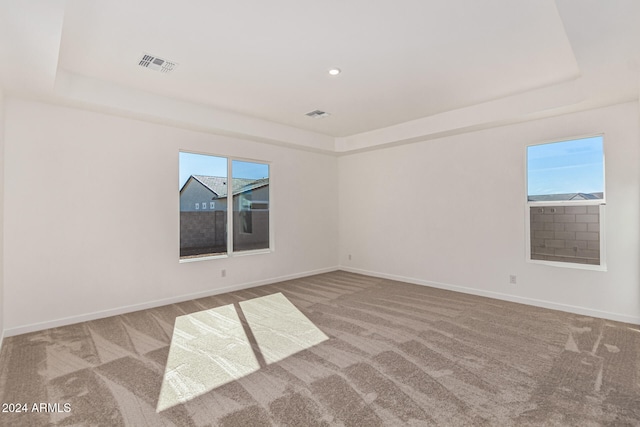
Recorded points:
(206, 229)
(566, 234)
(206, 232)
(259, 236)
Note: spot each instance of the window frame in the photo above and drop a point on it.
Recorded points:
(601, 203)
(230, 253)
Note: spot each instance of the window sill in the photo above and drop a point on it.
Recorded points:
(252, 252)
(222, 256)
(202, 258)
(569, 265)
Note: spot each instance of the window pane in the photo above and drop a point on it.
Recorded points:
(565, 233)
(567, 170)
(203, 179)
(250, 205)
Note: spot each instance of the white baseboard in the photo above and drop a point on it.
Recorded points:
(505, 297)
(156, 303)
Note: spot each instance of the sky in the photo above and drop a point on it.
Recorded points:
(575, 166)
(202, 164)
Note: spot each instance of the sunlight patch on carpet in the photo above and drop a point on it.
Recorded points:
(279, 327)
(210, 348)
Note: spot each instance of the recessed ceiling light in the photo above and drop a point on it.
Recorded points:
(335, 71)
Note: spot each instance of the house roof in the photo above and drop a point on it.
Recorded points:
(252, 185)
(565, 196)
(218, 184)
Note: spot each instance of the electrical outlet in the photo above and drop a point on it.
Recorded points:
(349, 257)
(512, 279)
(223, 273)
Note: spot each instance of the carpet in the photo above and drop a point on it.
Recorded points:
(336, 349)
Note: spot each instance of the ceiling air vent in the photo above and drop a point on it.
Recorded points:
(156, 64)
(317, 114)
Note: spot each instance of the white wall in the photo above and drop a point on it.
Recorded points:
(447, 212)
(92, 222)
(450, 213)
(2, 304)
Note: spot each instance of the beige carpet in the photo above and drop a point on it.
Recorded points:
(333, 349)
(213, 347)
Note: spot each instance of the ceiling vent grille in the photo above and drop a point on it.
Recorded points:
(157, 64)
(317, 114)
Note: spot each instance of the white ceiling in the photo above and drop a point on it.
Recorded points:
(411, 68)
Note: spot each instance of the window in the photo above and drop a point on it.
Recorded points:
(565, 202)
(219, 230)
(250, 226)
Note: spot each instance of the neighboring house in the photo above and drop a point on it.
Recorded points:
(250, 194)
(202, 192)
(203, 203)
(565, 197)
